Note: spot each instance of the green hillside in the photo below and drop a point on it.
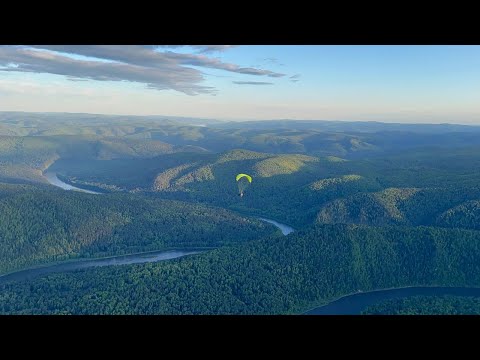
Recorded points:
(446, 207)
(41, 225)
(24, 158)
(466, 215)
(374, 206)
(269, 276)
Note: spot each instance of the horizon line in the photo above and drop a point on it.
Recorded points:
(242, 119)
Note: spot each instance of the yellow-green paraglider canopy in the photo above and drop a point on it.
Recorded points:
(239, 176)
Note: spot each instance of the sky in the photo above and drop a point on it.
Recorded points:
(411, 84)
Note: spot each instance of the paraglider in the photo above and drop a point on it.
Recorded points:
(243, 180)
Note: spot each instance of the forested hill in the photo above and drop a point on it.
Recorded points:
(314, 138)
(43, 224)
(375, 205)
(24, 158)
(431, 187)
(270, 276)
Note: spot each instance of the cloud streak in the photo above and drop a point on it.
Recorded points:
(213, 48)
(168, 76)
(201, 48)
(252, 83)
(148, 56)
(136, 63)
(294, 78)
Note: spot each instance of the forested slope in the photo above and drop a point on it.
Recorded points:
(40, 225)
(274, 275)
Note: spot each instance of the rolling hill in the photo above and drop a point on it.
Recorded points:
(277, 275)
(376, 206)
(43, 224)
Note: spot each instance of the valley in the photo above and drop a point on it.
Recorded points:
(374, 206)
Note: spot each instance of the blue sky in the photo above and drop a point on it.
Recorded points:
(427, 84)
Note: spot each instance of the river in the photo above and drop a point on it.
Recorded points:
(285, 229)
(356, 303)
(116, 260)
(152, 256)
(54, 180)
(347, 305)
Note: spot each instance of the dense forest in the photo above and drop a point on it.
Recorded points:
(272, 275)
(44, 225)
(299, 189)
(375, 206)
(427, 305)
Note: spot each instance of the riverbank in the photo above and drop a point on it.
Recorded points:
(355, 303)
(53, 179)
(77, 264)
(285, 229)
(108, 257)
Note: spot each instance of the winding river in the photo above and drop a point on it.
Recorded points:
(145, 257)
(356, 303)
(348, 305)
(285, 229)
(54, 180)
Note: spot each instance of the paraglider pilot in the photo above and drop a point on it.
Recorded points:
(243, 180)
